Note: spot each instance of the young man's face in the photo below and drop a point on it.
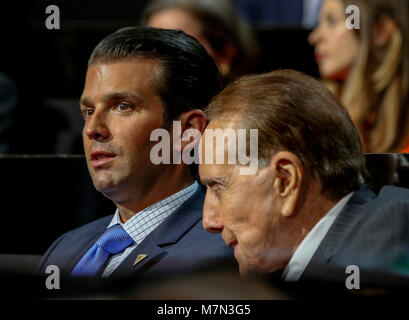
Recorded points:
(121, 108)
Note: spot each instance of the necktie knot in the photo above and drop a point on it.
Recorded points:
(114, 240)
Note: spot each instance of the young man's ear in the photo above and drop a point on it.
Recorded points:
(289, 175)
(193, 124)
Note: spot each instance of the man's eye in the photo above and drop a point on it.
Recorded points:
(332, 21)
(88, 112)
(123, 106)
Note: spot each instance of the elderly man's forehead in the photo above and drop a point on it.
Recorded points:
(217, 128)
(227, 120)
(217, 142)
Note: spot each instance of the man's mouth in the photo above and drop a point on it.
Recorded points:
(101, 158)
(319, 56)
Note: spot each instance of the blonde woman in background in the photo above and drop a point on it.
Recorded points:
(368, 68)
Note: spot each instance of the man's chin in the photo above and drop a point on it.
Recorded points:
(105, 186)
(243, 271)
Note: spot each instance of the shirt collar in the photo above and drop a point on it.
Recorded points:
(144, 221)
(310, 243)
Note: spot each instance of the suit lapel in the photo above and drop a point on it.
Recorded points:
(75, 248)
(83, 247)
(168, 233)
(148, 248)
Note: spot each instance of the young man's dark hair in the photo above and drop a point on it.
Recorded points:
(188, 76)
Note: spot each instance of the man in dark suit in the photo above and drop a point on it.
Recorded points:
(140, 80)
(305, 210)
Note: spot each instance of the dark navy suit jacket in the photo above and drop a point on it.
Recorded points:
(371, 232)
(178, 244)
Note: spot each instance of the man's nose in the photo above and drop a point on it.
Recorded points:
(211, 220)
(96, 127)
(315, 36)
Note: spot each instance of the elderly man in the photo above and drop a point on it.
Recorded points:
(305, 210)
(139, 80)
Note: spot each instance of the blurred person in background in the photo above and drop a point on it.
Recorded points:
(217, 26)
(368, 68)
(280, 13)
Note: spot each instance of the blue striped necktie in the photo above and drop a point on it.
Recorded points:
(114, 240)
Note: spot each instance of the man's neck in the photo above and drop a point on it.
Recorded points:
(161, 190)
(315, 207)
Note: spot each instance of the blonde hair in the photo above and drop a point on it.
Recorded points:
(376, 92)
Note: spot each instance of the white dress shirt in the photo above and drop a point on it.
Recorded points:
(145, 221)
(309, 245)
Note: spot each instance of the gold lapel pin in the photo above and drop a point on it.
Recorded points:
(139, 258)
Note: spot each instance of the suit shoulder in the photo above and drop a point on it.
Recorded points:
(64, 242)
(84, 230)
(387, 216)
(393, 193)
(392, 200)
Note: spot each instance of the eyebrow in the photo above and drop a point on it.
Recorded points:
(219, 180)
(85, 101)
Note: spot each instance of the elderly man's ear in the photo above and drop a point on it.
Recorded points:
(288, 178)
(193, 124)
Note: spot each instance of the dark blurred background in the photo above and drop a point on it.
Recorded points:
(48, 66)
